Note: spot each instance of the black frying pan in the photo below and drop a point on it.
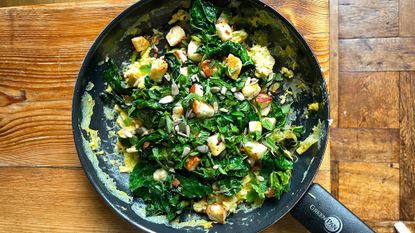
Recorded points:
(308, 202)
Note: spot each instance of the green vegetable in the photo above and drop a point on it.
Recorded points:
(202, 16)
(229, 186)
(176, 166)
(114, 79)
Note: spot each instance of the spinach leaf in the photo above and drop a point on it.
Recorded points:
(193, 188)
(202, 16)
(280, 182)
(114, 79)
(229, 47)
(174, 65)
(229, 186)
(259, 186)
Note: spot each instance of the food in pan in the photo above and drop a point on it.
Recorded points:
(203, 117)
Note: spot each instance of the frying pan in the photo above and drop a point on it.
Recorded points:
(309, 203)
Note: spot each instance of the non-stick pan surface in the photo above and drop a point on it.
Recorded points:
(114, 43)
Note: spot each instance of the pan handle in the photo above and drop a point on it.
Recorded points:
(319, 211)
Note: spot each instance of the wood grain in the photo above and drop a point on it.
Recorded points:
(369, 100)
(377, 54)
(407, 132)
(387, 226)
(35, 126)
(367, 18)
(53, 200)
(26, 64)
(37, 133)
(309, 16)
(367, 188)
(366, 145)
(334, 63)
(406, 18)
(32, 197)
(8, 3)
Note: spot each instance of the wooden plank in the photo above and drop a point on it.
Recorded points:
(370, 190)
(52, 192)
(9, 3)
(323, 176)
(286, 225)
(369, 100)
(377, 54)
(365, 145)
(334, 63)
(37, 134)
(308, 16)
(319, 43)
(387, 226)
(406, 18)
(366, 18)
(26, 64)
(407, 132)
(53, 200)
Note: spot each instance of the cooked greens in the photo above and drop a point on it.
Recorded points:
(202, 118)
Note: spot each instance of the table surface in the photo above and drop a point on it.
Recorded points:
(43, 187)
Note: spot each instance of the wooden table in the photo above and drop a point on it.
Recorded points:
(42, 186)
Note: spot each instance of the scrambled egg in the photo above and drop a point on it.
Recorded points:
(264, 62)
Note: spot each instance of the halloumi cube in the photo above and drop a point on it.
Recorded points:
(265, 111)
(177, 112)
(255, 150)
(192, 163)
(224, 31)
(197, 89)
(191, 51)
(216, 212)
(140, 43)
(207, 68)
(216, 146)
(250, 91)
(271, 121)
(181, 55)
(255, 127)
(234, 66)
(175, 35)
(158, 69)
(202, 109)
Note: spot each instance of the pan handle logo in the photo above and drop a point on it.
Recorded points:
(333, 224)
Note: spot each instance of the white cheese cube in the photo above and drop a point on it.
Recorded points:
(197, 89)
(234, 66)
(254, 150)
(224, 31)
(255, 127)
(215, 145)
(191, 51)
(158, 69)
(202, 109)
(175, 35)
(140, 43)
(271, 121)
(216, 212)
(250, 91)
(177, 112)
(265, 111)
(181, 55)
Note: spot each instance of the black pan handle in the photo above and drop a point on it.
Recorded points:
(319, 211)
